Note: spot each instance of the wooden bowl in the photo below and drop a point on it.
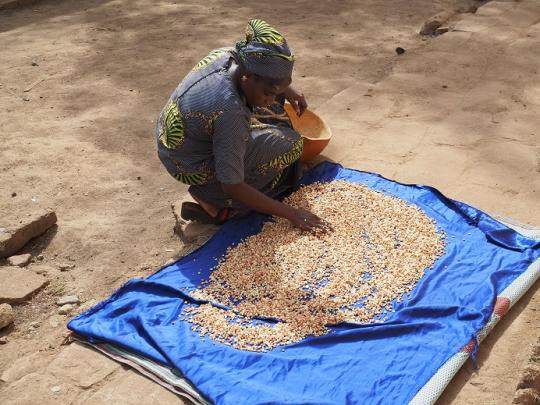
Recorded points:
(313, 129)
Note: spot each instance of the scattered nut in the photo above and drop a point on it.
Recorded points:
(379, 249)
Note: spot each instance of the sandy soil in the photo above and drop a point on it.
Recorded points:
(81, 140)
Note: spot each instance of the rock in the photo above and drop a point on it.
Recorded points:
(14, 239)
(34, 325)
(39, 257)
(526, 396)
(20, 260)
(7, 317)
(399, 51)
(65, 309)
(81, 365)
(66, 266)
(19, 284)
(68, 299)
(56, 389)
(530, 378)
(434, 22)
(3, 340)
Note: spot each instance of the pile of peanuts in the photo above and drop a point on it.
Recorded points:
(282, 285)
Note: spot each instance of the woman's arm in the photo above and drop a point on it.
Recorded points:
(257, 201)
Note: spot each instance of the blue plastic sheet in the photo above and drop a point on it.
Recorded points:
(355, 364)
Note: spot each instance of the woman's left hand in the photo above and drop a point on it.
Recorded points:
(296, 99)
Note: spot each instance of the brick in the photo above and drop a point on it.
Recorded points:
(12, 240)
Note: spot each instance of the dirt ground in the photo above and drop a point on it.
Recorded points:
(81, 140)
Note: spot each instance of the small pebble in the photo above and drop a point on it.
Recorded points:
(66, 266)
(56, 389)
(3, 340)
(68, 299)
(14, 194)
(400, 50)
(65, 309)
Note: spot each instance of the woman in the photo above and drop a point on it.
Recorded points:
(209, 137)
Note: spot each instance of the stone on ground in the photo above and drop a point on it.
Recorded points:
(17, 285)
(65, 309)
(7, 317)
(68, 299)
(20, 260)
(66, 266)
(35, 225)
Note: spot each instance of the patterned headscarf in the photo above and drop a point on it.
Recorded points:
(265, 51)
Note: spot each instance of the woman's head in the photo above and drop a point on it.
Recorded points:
(262, 91)
(267, 63)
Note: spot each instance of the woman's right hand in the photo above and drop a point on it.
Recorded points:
(260, 202)
(307, 221)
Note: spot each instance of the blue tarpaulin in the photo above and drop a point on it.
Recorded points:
(355, 364)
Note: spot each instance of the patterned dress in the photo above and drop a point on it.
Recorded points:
(206, 135)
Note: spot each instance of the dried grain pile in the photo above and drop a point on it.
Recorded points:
(379, 249)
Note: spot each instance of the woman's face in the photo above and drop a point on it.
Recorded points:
(262, 92)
